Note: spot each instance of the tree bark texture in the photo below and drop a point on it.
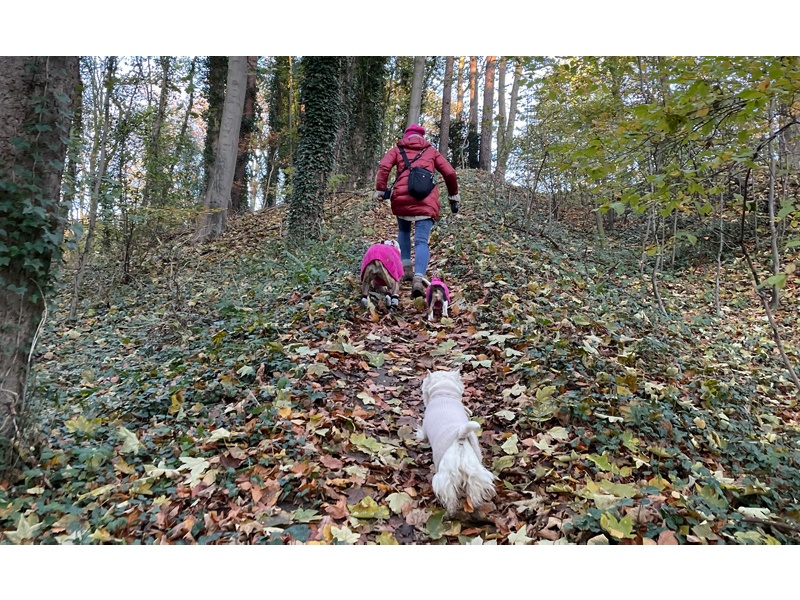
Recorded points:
(239, 203)
(415, 104)
(319, 94)
(218, 195)
(216, 75)
(444, 137)
(460, 89)
(156, 179)
(472, 130)
(501, 111)
(485, 157)
(37, 95)
(504, 151)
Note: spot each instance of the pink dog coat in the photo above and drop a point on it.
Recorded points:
(389, 256)
(440, 283)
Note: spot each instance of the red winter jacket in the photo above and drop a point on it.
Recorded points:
(403, 204)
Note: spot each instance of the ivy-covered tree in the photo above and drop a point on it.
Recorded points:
(279, 153)
(36, 103)
(216, 72)
(319, 95)
(362, 84)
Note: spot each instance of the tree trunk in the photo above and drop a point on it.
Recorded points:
(365, 119)
(37, 94)
(773, 232)
(460, 89)
(319, 94)
(291, 116)
(415, 104)
(508, 139)
(485, 157)
(501, 112)
(444, 136)
(472, 131)
(98, 175)
(216, 75)
(239, 202)
(155, 185)
(218, 195)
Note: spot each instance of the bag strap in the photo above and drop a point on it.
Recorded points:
(405, 160)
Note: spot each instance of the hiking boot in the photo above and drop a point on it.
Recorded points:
(417, 287)
(408, 272)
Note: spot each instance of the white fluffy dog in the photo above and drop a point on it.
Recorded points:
(456, 454)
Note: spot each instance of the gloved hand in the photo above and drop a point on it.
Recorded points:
(454, 203)
(378, 195)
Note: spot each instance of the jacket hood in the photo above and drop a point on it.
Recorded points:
(414, 142)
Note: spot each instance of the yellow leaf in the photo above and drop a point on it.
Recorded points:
(387, 539)
(762, 87)
(701, 112)
(177, 402)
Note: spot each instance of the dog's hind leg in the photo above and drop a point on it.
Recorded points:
(366, 278)
(394, 287)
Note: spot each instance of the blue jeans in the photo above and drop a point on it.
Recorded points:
(422, 254)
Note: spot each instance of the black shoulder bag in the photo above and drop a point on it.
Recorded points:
(420, 180)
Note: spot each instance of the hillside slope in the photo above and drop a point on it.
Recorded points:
(238, 393)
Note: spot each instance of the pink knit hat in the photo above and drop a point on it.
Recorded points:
(412, 129)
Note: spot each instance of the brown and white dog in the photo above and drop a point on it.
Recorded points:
(381, 272)
(438, 297)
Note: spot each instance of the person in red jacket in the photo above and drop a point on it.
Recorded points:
(408, 209)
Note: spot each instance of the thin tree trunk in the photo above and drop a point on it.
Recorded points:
(155, 186)
(415, 104)
(460, 89)
(485, 157)
(773, 232)
(504, 151)
(218, 195)
(444, 136)
(95, 199)
(182, 140)
(719, 254)
(762, 298)
(501, 112)
(472, 131)
(674, 243)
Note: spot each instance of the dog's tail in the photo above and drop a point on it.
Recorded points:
(460, 472)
